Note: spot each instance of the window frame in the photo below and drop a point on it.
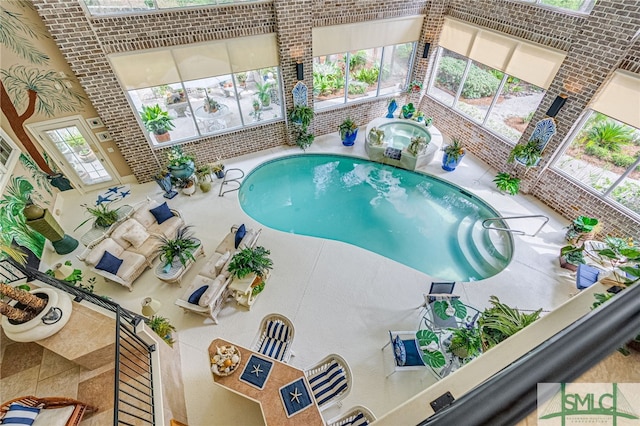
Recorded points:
(347, 77)
(604, 196)
(156, 9)
(538, 3)
(494, 101)
(7, 169)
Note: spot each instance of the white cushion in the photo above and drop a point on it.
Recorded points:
(247, 240)
(222, 261)
(54, 416)
(209, 295)
(143, 215)
(132, 266)
(209, 268)
(107, 244)
(130, 232)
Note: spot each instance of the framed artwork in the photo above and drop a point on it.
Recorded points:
(95, 122)
(103, 136)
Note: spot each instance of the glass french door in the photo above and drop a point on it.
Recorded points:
(71, 144)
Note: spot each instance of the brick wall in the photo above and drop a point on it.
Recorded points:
(597, 44)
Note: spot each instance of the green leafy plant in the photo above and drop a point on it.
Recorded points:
(440, 308)
(156, 120)
(507, 183)
(250, 260)
(573, 254)
(103, 215)
(181, 247)
(76, 278)
(582, 225)
(163, 328)
(417, 145)
(623, 254)
(528, 153)
(347, 127)
(211, 105)
(432, 357)
(177, 157)
(501, 321)
(301, 115)
(264, 92)
(368, 75)
(465, 342)
(454, 150)
(610, 135)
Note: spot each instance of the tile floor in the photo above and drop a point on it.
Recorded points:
(341, 298)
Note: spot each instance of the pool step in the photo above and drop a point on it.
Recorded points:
(486, 249)
(477, 248)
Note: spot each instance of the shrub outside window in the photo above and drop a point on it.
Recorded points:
(214, 105)
(366, 73)
(473, 88)
(604, 155)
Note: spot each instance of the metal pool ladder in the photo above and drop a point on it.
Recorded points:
(227, 180)
(485, 224)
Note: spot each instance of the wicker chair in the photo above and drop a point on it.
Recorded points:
(330, 380)
(275, 337)
(52, 403)
(356, 416)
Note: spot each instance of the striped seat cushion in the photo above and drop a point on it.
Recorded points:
(19, 414)
(275, 343)
(358, 420)
(326, 384)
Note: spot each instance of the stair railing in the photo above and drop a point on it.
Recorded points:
(486, 225)
(227, 180)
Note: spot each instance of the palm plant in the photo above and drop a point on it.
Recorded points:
(501, 321)
(181, 247)
(28, 305)
(264, 92)
(465, 342)
(103, 215)
(163, 328)
(609, 135)
(454, 150)
(528, 153)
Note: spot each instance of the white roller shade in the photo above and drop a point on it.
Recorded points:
(147, 69)
(620, 98)
(365, 35)
(525, 60)
(202, 60)
(252, 53)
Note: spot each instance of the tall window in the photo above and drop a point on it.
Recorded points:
(203, 89)
(497, 101)
(583, 6)
(604, 155)
(113, 7)
(366, 73)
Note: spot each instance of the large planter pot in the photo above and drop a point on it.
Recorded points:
(566, 265)
(182, 171)
(350, 138)
(164, 137)
(450, 163)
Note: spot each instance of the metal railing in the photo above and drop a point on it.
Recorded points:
(515, 231)
(133, 397)
(226, 181)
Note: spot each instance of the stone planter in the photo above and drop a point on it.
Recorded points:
(182, 171)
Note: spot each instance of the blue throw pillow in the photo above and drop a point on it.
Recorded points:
(240, 233)
(109, 263)
(21, 415)
(161, 213)
(196, 295)
(399, 351)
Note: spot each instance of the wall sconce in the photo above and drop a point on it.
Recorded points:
(425, 52)
(557, 105)
(150, 306)
(299, 71)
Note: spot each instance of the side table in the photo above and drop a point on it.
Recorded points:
(177, 271)
(243, 289)
(95, 234)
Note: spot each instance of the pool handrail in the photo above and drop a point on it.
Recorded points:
(515, 231)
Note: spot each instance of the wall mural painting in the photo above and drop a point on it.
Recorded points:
(26, 90)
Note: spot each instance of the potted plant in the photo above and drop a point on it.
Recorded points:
(301, 115)
(453, 154)
(163, 328)
(528, 154)
(571, 256)
(303, 139)
(501, 321)
(250, 261)
(465, 342)
(264, 92)
(218, 168)
(211, 105)
(428, 121)
(418, 116)
(188, 185)
(242, 78)
(178, 249)
(582, 228)
(414, 87)
(408, 110)
(507, 183)
(417, 146)
(163, 179)
(103, 215)
(157, 121)
(180, 164)
(203, 173)
(348, 131)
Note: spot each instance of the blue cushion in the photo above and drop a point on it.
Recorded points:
(587, 276)
(21, 415)
(240, 233)
(109, 263)
(196, 295)
(161, 213)
(414, 354)
(399, 351)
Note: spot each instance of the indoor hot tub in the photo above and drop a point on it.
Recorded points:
(398, 133)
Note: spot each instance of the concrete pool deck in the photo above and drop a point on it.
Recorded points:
(341, 299)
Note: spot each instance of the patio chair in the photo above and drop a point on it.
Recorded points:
(406, 353)
(330, 380)
(54, 411)
(275, 337)
(439, 291)
(355, 416)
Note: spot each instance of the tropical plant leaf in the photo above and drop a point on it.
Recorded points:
(425, 337)
(461, 310)
(440, 309)
(434, 359)
(40, 177)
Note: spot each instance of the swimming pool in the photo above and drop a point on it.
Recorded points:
(415, 219)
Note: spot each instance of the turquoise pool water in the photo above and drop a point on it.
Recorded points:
(415, 219)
